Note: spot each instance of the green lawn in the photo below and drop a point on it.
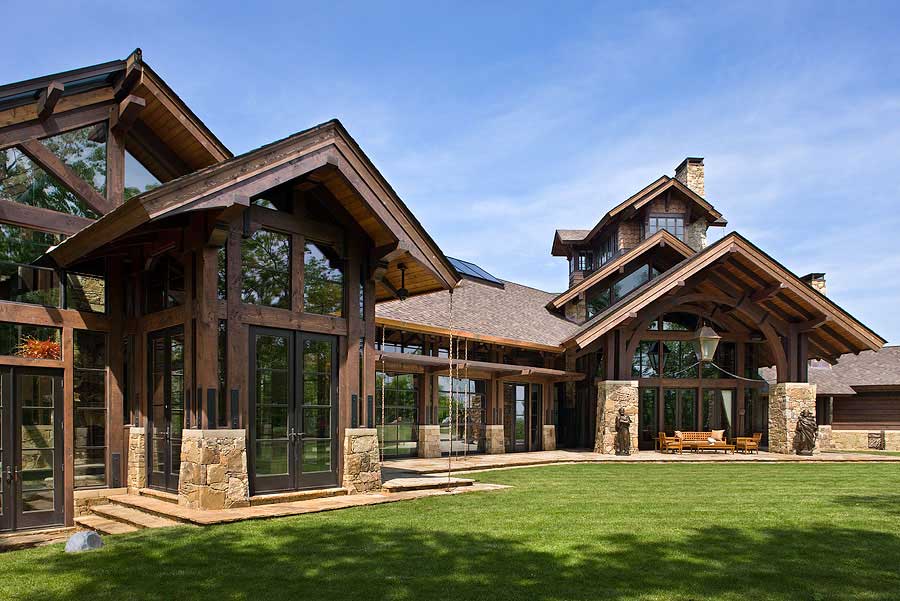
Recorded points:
(582, 532)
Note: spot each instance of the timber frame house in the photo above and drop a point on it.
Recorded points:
(179, 321)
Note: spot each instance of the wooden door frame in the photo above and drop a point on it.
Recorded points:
(15, 519)
(294, 480)
(167, 474)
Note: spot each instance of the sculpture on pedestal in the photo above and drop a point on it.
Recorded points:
(806, 432)
(623, 433)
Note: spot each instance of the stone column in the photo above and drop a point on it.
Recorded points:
(786, 401)
(137, 460)
(613, 395)
(548, 441)
(429, 441)
(362, 464)
(213, 472)
(493, 439)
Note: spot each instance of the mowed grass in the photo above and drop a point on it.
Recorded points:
(581, 532)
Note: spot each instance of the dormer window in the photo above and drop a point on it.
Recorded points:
(584, 261)
(674, 225)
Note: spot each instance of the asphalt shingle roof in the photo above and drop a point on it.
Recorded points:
(515, 311)
(869, 368)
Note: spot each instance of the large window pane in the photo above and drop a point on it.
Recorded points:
(33, 342)
(85, 292)
(680, 359)
(89, 388)
(137, 178)
(398, 433)
(597, 301)
(645, 362)
(323, 281)
(23, 181)
(27, 284)
(631, 281)
(266, 269)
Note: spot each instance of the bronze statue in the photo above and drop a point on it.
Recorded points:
(623, 434)
(806, 433)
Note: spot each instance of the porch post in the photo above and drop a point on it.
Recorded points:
(613, 395)
(786, 401)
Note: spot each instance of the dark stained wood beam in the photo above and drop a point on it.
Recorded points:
(766, 293)
(49, 97)
(391, 252)
(38, 218)
(128, 112)
(811, 324)
(41, 155)
(55, 124)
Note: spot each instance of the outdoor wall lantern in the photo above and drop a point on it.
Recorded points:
(403, 293)
(705, 344)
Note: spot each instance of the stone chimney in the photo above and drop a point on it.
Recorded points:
(690, 173)
(816, 281)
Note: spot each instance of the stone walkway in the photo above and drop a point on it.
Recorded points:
(184, 515)
(398, 467)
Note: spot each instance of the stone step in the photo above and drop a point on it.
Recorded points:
(406, 484)
(153, 506)
(133, 517)
(162, 495)
(103, 525)
(297, 495)
(28, 539)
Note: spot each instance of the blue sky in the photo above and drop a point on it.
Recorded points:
(499, 122)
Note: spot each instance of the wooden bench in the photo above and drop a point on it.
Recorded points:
(699, 441)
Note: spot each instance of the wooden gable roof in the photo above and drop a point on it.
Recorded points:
(662, 238)
(755, 288)
(631, 205)
(163, 133)
(323, 155)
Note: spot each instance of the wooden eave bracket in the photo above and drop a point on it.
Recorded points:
(129, 109)
(767, 293)
(48, 98)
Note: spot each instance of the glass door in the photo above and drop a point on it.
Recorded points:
(648, 420)
(166, 415)
(718, 411)
(679, 410)
(294, 408)
(534, 417)
(31, 439)
(314, 431)
(515, 403)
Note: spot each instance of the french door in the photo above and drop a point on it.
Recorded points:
(648, 418)
(166, 415)
(294, 410)
(679, 410)
(522, 405)
(31, 441)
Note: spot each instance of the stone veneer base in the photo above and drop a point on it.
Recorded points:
(548, 437)
(493, 439)
(429, 444)
(613, 395)
(786, 401)
(213, 471)
(362, 463)
(136, 478)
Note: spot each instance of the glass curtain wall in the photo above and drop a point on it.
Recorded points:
(468, 419)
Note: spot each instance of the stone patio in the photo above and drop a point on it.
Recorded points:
(397, 467)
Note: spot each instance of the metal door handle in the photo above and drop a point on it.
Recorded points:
(293, 435)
